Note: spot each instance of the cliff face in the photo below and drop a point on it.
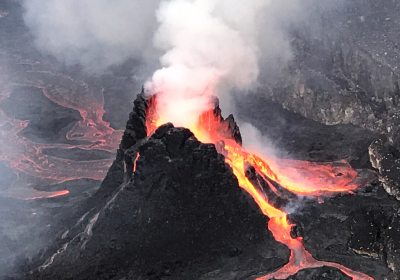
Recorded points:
(345, 70)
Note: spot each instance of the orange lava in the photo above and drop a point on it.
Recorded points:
(41, 194)
(135, 161)
(299, 177)
(26, 156)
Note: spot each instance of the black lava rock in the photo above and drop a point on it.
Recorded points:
(183, 205)
(386, 159)
(321, 273)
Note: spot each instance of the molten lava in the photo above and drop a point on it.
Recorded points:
(25, 156)
(299, 177)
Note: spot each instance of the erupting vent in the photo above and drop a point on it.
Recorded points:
(272, 182)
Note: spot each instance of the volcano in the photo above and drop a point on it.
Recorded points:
(190, 202)
(193, 204)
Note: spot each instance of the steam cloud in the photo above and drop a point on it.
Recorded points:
(210, 47)
(206, 47)
(93, 33)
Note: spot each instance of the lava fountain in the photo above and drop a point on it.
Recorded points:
(296, 177)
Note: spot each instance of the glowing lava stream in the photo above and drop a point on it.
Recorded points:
(27, 157)
(323, 179)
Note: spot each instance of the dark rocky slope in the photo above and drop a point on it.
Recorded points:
(179, 216)
(346, 66)
(355, 230)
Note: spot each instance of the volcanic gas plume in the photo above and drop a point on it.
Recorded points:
(206, 49)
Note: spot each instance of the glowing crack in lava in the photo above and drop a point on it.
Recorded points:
(28, 157)
(299, 177)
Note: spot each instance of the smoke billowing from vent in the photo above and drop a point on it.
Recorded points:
(207, 44)
(100, 33)
(206, 47)
(212, 47)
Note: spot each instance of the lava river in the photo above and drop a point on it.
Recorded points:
(298, 177)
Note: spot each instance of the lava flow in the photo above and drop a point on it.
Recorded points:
(298, 177)
(28, 158)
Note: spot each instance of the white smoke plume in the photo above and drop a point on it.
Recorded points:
(210, 47)
(254, 141)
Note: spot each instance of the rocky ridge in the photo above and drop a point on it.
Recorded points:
(345, 68)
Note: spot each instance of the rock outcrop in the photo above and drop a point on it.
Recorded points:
(345, 68)
(356, 231)
(322, 273)
(386, 159)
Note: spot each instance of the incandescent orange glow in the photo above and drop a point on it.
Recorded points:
(299, 177)
(134, 162)
(40, 194)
